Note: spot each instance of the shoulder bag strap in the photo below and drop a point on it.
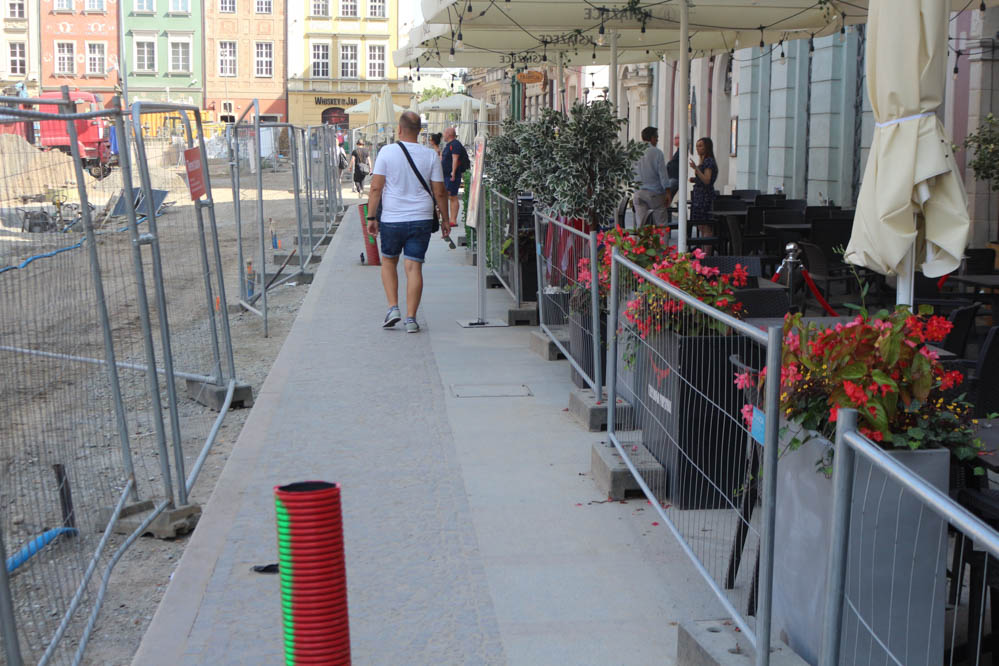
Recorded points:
(417, 172)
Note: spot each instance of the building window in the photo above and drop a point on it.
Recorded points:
(348, 7)
(227, 58)
(320, 7)
(180, 56)
(96, 59)
(264, 6)
(15, 9)
(145, 55)
(145, 6)
(65, 58)
(63, 5)
(376, 8)
(18, 58)
(94, 6)
(180, 6)
(376, 61)
(320, 61)
(265, 57)
(348, 61)
(227, 6)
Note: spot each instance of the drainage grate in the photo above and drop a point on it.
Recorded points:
(491, 391)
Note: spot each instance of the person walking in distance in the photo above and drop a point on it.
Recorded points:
(650, 171)
(454, 162)
(360, 162)
(406, 184)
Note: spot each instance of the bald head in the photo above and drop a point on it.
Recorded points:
(409, 126)
(449, 134)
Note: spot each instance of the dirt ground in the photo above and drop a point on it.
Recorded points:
(140, 578)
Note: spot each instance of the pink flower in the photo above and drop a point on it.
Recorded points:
(699, 253)
(929, 353)
(742, 380)
(790, 374)
(747, 415)
(793, 341)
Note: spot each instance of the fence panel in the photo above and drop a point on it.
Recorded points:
(248, 202)
(911, 572)
(569, 305)
(99, 336)
(689, 442)
(503, 248)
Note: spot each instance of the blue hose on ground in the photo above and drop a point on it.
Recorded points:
(35, 545)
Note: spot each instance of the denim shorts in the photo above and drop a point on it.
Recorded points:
(411, 239)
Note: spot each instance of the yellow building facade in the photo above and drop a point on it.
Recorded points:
(339, 54)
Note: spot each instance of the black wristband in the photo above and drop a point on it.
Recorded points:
(372, 218)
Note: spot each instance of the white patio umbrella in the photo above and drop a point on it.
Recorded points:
(466, 130)
(912, 209)
(454, 103)
(364, 108)
(414, 105)
(483, 120)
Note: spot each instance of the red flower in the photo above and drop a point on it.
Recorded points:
(951, 379)
(937, 328)
(833, 413)
(855, 393)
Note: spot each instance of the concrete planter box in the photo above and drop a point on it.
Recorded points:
(690, 415)
(897, 571)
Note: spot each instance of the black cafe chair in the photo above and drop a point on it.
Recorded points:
(748, 196)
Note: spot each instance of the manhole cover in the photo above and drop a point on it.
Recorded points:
(491, 391)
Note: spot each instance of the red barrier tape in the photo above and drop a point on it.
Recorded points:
(942, 281)
(815, 292)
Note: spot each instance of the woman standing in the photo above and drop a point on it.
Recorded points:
(435, 142)
(705, 174)
(360, 162)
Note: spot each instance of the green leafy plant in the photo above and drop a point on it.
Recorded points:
(434, 93)
(591, 168)
(882, 366)
(984, 145)
(534, 165)
(651, 310)
(503, 157)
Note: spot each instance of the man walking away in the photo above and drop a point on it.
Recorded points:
(407, 214)
(360, 162)
(454, 162)
(651, 174)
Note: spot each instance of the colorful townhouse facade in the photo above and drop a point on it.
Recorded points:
(163, 45)
(339, 54)
(245, 58)
(19, 53)
(78, 46)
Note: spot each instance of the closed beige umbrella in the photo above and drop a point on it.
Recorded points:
(912, 195)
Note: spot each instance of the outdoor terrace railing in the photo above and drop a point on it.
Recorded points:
(503, 247)
(568, 306)
(891, 597)
(708, 474)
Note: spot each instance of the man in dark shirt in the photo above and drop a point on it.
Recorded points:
(454, 162)
(673, 168)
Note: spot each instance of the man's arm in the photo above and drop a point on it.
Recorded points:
(374, 198)
(455, 161)
(440, 195)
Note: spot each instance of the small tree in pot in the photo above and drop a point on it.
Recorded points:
(590, 168)
(984, 144)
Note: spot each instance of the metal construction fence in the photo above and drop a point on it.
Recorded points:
(116, 363)
(568, 304)
(703, 468)
(285, 186)
(912, 574)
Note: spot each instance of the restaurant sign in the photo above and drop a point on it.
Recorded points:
(336, 101)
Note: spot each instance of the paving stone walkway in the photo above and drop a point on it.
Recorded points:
(470, 536)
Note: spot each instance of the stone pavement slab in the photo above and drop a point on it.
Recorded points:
(470, 537)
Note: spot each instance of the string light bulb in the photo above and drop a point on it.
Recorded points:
(783, 58)
(842, 30)
(762, 43)
(459, 43)
(957, 70)
(600, 31)
(981, 6)
(450, 55)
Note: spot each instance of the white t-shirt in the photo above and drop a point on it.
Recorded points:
(404, 199)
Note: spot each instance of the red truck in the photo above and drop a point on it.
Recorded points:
(93, 135)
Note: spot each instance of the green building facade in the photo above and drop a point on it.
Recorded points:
(164, 50)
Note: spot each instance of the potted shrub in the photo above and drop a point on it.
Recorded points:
(883, 367)
(984, 143)
(682, 373)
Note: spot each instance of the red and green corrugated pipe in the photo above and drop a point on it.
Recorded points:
(313, 575)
